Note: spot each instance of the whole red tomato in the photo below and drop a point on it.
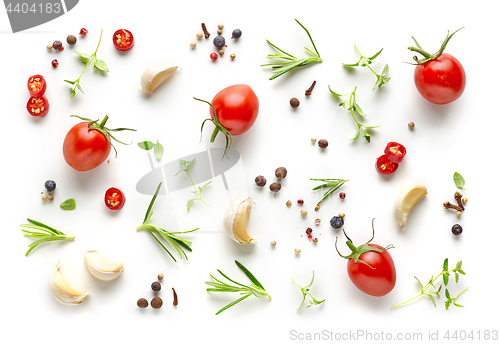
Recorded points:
(87, 144)
(236, 107)
(439, 77)
(441, 80)
(370, 267)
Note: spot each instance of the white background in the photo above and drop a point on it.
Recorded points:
(457, 137)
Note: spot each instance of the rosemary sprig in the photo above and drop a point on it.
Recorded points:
(47, 234)
(353, 106)
(176, 243)
(424, 290)
(333, 184)
(290, 62)
(198, 191)
(366, 61)
(255, 287)
(88, 60)
(305, 292)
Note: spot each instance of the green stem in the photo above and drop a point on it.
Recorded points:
(422, 292)
(402, 303)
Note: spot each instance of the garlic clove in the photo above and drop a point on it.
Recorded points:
(236, 222)
(156, 74)
(101, 267)
(405, 201)
(62, 291)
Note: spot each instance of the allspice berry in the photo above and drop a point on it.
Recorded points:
(156, 286)
(294, 102)
(275, 187)
(280, 173)
(323, 143)
(71, 39)
(156, 302)
(142, 303)
(260, 180)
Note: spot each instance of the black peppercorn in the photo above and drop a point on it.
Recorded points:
(456, 229)
(275, 187)
(294, 102)
(260, 180)
(57, 45)
(156, 302)
(142, 303)
(156, 286)
(71, 39)
(323, 143)
(280, 173)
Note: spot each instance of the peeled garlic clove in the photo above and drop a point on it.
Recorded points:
(405, 201)
(101, 267)
(236, 222)
(62, 291)
(156, 74)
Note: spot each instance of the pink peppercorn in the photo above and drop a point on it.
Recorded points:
(214, 56)
(300, 201)
(55, 63)
(342, 195)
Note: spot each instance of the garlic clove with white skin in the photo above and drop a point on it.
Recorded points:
(155, 74)
(62, 291)
(236, 222)
(101, 267)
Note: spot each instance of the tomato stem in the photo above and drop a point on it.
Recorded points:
(428, 57)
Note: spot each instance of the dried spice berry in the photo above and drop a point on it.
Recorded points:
(342, 195)
(156, 286)
(337, 222)
(219, 42)
(50, 185)
(55, 63)
(280, 173)
(294, 103)
(323, 143)
(156, 302)
(142, 303)
(288, 203)
(275, 187)
(315, 240)
(236, 33)
(456, 229)
(309, 230)
(71, 39)
(160, 276)
(303, 212)
(214, 56)
(57, 45)
(300, 201)
(273, 243)
(260, 180)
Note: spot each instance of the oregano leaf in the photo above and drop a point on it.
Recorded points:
(158, 150)
(459, 180)
(146, 145)
(101, 65)
(68, 204)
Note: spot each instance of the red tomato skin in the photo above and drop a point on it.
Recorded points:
(440, 81)
(120, 197)
(40, 92)
(395, 158)
(237, 107)
(378, 281)
(121, 47)
(84, 148)
(45, 103)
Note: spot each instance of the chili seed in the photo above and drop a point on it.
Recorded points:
(288, 203)
(260, 180)
(156, 302)
(275, 187)
(71, 39)
(156, 286)
(323, 143)
(142, 303)
(294, 103)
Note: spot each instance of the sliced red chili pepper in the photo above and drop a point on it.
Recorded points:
(385, 166)
(123, 40)
(114, 199)
(38, 106)
(37, 85)
(395, 152)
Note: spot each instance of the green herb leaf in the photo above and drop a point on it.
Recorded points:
(72, 93)
(445, 265)
(70, 82)
(446, 278)
(158, 150)
(146, 145)
(80, 88)
(190, 204)
(44, 234)
(68, 204)
(459, 180)
(305, 292)
(83, 57)
(432, 299)
(101, 65)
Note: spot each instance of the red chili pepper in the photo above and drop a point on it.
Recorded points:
(38, 106)
(83, 31)
(114, 199)
(385, 166)
(123, 40)
(395, 152)
(37, 85)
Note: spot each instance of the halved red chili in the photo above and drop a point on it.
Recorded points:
(38, 106)
(114, 199)
(385, 166)
(395, 152)
(37, 85)
(123, 40)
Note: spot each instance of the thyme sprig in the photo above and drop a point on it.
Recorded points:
(365, 62)
(88, 60)
(354, 107)
(176, 243)
(291, 62)
(305, 292)
(333, 184)
(196, 191)
(424, 290)
(255, 288)
(47, 234)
